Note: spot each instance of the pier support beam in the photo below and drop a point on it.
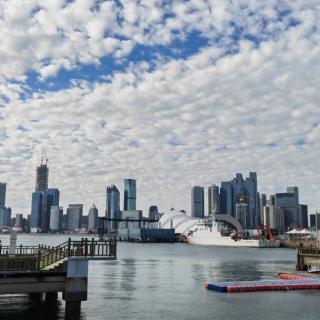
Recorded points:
(76, 288)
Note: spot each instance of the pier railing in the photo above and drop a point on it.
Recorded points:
(37, 258)
(309, 251)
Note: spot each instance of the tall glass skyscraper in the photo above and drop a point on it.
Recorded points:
(197, 201)
(56, 213)
(74, 216)
(36, 211)
(3, 188)
(112, 206)
(93, 218)
(130, 191)
(213, 200)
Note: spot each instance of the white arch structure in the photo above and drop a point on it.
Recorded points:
(183, 223)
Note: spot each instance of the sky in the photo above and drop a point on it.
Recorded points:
(173, 93)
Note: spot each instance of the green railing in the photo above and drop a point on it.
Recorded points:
(37, 258)
(309, 251)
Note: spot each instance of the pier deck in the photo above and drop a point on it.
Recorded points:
(46, 269)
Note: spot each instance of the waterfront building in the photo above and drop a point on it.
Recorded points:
(112, 206)
(3, 188)
(262, 204)
(56, 213)
(18, 223)
(130, 194)
(36, 211)
(19, 219)
(93, 218)
(51, 198)
(130, 215)
(226, 198)
(273, 217)
(5, 217)
(74, 216)
(153, 213)
(230, 192)
(242, 213)
(197, 202)
(315, 220)
(213, 200)
(303, 216)
(289, 202)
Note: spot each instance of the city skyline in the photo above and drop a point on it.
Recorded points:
(52, 196)
(173, 95)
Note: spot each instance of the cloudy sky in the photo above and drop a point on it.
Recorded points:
(173, 93)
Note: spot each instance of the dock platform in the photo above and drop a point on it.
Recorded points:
(264, 285)
(49, 270)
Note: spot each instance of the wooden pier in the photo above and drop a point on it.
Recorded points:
(52, 269)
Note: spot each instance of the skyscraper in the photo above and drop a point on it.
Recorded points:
(36, 211)
(93, 218)
(74, 216)
(3, 188)
(129, 194)
(5, 217)
(56, 213)
(50, 198)
(288, 203)
(262, 204)
(226, 198)
(197, 201)
(112, 206)
(230, 192)
(42, 176)
(213, 200)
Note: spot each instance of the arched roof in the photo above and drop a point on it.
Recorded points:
(229, 219)
(182, 223)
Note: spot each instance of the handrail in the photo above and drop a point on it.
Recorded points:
(43, 256)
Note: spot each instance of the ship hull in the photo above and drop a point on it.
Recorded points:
(229, 242)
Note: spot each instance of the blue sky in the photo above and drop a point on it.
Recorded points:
(172, 93)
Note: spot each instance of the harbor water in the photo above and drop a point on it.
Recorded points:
(166, 281)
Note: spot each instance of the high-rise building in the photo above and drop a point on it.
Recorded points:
(226, 198)
(242, 213)
(3, 188)
(303, 215)
(56, 213)
(315, 220)
(5, 217)
(50, 198)
(262, 204)
(42, 177)
(213, 200)
(197, 201)
(153, 213)
(288, 202)
(36, 211)
(230, 192)
(93, 218)
(130, 194)
(74, 216)
(113, 206)
(53, 196)
(273, 217)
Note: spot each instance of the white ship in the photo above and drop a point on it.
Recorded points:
(212, 233)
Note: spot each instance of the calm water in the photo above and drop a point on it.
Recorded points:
(166, 281)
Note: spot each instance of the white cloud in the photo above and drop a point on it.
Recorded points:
(197, 120)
